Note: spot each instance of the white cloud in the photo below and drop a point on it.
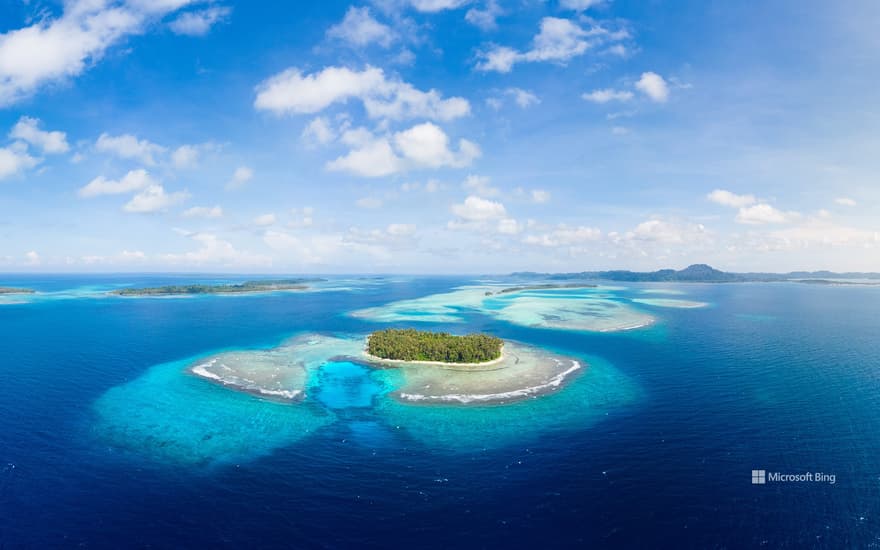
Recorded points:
(189, 156)
(55, 49)
(129, 147)
(565, 236)
(319, 132)
(762, 213)
(291, 92)
(215, 251)
(845, 201)
(401, 229)
(132, 181)
(199, 23)
(427, 145)
(579, 5)
(480, 185)
(606, 95)
(28, 129)
(726, 198)
(486, 18)
(421, 146)
(476, 209)
(540, 196)
(433, 6)
(32, 258)
(154, 199)
(654, 86)
(359, 28)
(822, 233)
(265, 220)
(523, 98)
(204, 212)
(664, 232)
(240, 177)
(620, 130)
(558, 41)
(13, 161)
(509, 226)
(374, 159)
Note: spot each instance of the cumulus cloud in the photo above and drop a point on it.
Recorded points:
(726, 198)
(558, 41)
(480, 185)
(565, 236)
(486, 18)
(606, 95)
(509, 226)
(359, 28)
(433, 6)
(421, 146)
(213, 250)
(319, 132)
(204, 212)
(579, 5)
(540, 196)
(845, 201)
(477, 209)
(240, 177)
(199, 23)
(265, 220)
(401, 229)
(135, 180)
(760, 214)
(292, 92)
(154, 199)
(54, 49)
(14, 161)
(654, 86)
(129, 147)
(28, 130)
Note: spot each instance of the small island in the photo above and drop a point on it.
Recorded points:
(412, 345)
(11, 290)
(238, 288)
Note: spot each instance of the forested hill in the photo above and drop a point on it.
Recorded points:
(697, 273)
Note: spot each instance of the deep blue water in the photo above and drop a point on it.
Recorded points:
(781, 377)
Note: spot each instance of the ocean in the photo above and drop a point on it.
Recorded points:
(106, 441)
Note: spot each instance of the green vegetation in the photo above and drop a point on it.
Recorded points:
(416, 345)
(10, 290)
(247, 286)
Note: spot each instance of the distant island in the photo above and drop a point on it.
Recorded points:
(417, 345)
(550, 286)
(238, 288)
(11, 290)
(701, 273)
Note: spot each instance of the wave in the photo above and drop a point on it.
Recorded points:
(554, 382)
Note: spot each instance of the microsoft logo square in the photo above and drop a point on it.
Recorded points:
(759, 477)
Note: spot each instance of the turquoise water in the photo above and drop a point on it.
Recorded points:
(108, 441)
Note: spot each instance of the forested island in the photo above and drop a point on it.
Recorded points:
(416, 345)
(11, 290)
(238, 288)
(697, 273)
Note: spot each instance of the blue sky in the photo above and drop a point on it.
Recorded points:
(438, 136)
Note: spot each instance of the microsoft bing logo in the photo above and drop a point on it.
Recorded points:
(759, 477)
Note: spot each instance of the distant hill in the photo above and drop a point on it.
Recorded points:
(697, 273)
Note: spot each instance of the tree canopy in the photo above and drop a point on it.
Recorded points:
(415, 345)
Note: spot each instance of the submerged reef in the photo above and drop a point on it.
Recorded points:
(238, 405)
(580, 308)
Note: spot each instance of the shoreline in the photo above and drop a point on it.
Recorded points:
(376, 359)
